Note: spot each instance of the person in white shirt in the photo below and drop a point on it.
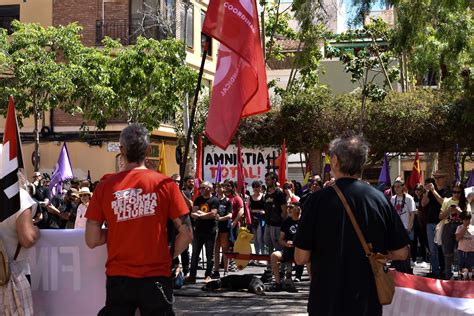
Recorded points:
(404, 205)
(18, 235)
(85, 195)
(465, 238)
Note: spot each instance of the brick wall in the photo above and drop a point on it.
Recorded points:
(83, 12)
(87, 12)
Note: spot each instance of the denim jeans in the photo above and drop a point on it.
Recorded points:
(433, 247)
(199, 241)
(449, 243)
(257, 232)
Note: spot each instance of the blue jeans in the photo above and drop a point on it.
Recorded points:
(257, 232)
(433, 247)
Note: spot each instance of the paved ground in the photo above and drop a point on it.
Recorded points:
(192, 300)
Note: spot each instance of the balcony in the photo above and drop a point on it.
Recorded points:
(127, 31)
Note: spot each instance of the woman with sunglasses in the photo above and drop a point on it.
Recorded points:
(450, 211)
(256, 206)
(224, 215)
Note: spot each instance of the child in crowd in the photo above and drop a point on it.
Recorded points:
(465, 237)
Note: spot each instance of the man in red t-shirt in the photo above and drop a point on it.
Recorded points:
(136, 204)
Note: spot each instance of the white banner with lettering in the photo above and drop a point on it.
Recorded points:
(67, 278)
(257, 162)
(419, 296)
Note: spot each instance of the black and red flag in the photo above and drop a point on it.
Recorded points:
(10, 161)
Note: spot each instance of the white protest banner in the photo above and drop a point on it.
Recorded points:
(257, 162)
(415, 295)
(67, 278)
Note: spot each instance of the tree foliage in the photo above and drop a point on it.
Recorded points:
(424, 119)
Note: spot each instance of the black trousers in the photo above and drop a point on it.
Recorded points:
(124, 295)
(199, 241)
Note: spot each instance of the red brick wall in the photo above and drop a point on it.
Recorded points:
(84, 12)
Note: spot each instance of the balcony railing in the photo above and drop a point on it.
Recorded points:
(127, 31)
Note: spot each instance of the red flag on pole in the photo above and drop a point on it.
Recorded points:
(10, 162)
(282, 167)
(241, 182)
(415, 176)
(240, 85)
(198, 175)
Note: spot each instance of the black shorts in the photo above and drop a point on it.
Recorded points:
(124, 295)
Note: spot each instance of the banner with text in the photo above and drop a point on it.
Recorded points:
(256, 162)
(67, 278)
(415, 295)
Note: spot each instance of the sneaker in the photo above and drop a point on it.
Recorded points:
(216, 275)
(297, 280)
(276, 287)
(207, 279)
(190, 280)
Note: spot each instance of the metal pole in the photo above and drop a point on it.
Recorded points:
(186, 3)
(193, 110)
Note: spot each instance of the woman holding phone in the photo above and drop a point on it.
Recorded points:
(450, 213)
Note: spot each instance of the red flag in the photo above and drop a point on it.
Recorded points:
(282, 168)
(415, 176)
(10, 161)
(241, 182)
(198, 176)
(240, 85)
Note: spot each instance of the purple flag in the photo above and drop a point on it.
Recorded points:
(456, 164)
(62, 171)
(219, 173)
(470, 180)
(385, 172)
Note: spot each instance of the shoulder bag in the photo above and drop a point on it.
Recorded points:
(383, 280)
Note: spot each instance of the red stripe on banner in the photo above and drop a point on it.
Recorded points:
(458, 289)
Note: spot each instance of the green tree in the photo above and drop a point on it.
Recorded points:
(42, 77)
(148, 80)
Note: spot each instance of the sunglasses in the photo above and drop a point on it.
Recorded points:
(456, 192)
(256, 186)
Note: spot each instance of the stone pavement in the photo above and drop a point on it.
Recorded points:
(192, 300)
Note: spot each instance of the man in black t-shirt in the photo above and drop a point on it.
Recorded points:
(287, 234)
(275, 212)
(431, 203)
(342, 281)
(204, 213)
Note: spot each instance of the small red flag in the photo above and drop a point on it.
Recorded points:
(282, 167)
(240, 85)
(415, 176)
(198, 175)
(10, 163)
(241, 182)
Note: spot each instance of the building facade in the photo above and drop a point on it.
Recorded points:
(96, 152)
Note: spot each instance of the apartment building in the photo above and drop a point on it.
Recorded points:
(97, 151)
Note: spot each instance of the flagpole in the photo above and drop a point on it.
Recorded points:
(193, 111)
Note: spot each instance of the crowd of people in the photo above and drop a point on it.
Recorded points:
(64, 210)
(293, 225)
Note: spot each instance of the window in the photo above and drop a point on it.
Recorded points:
(8, 13)
(189, 26)
(204, 36)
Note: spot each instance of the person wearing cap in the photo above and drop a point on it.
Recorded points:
(85, 195)
(136, 204)
(205, 230)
